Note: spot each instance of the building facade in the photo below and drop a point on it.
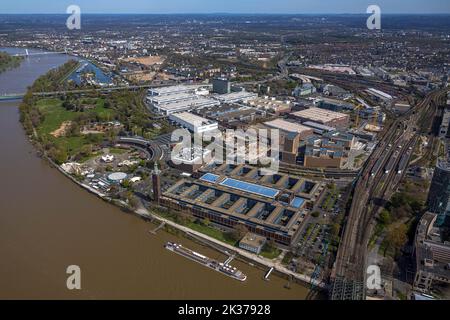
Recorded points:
(193, 123)
(439, 194)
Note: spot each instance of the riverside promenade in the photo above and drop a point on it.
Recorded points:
(250, 256)
(143, 212)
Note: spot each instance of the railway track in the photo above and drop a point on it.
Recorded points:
(350, 261)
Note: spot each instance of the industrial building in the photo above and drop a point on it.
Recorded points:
(232, 115)
(273, 207)
(233, 97)
(271, 105)
(193, 123)
(174, 90)
(334, 104)
(289, 127)
(304, 90)
(322, 116)
(169, 100)
(333, 90)
(318, 128)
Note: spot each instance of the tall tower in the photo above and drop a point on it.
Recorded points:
(439, 195)
(156, 181)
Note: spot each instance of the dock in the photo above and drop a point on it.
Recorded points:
(158, 228)
(228, 261)
(266, 277)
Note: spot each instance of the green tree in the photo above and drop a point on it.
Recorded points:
(385, 217)
(239, 231)
(397, 237)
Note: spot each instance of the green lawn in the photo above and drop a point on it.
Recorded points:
(212, 232)
(55, 115)
(104, 113)
(270, 252)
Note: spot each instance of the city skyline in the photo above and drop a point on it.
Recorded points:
(232, 7)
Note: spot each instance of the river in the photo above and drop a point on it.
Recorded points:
(48, 223)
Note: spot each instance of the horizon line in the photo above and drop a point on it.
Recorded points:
(228, 13)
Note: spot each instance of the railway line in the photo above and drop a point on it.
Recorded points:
(376, 185)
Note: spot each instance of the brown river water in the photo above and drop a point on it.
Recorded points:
(48, 223)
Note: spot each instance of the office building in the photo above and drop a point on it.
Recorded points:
(221, 86)
(329, 151)
(439, 194)
(432, 255)
(273, 207)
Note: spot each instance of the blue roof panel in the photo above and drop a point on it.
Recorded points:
(250, 187)
(209, 177)
(297, 202)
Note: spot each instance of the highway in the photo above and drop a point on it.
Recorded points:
(377, 182)
(80, 91)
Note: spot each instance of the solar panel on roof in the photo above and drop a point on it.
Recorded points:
(209, 177)
(297, 202)
(250, 187)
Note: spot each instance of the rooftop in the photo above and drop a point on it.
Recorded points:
(253, 240)
(320, 115)
(287, 126)
(174, 89)
(191, 118)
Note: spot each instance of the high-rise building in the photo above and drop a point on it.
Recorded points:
(156, 181)
(439, 195)
(221, 86)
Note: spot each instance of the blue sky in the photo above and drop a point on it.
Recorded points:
(229, 6)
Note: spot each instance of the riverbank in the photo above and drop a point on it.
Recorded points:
(222, 247)
(8, 62)
(49, 223)
(276, 289)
